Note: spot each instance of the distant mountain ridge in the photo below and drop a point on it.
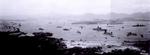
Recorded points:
(115, 18)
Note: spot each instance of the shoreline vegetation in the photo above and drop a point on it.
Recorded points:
(15, 41)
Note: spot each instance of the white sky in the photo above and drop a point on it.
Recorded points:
(130, 6)
(46, 7)
(36, 7)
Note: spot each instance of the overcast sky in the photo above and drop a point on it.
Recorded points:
(130, 6)
(46, 7)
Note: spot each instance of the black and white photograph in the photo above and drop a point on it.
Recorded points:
(75, 27)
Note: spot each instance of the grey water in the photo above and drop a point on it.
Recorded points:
(86, 36)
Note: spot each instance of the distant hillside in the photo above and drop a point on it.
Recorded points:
(114, 18)
(132, 17)
(99, 22)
